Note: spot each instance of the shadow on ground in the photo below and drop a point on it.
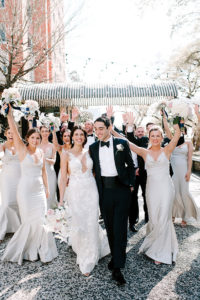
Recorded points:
(61, 279)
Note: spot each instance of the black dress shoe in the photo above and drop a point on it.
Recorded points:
(132, 228)
(110, 265)
(118, 276)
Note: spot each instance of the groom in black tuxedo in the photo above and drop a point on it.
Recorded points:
(115, 177)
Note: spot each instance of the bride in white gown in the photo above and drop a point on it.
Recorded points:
(160, 243)
(32, 239)
(9, 179)
(87, 238)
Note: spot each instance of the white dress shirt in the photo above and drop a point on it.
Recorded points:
(90, 141)
(134, 157)
(107, 161)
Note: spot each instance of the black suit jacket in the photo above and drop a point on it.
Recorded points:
(142, 142)
(123, 161)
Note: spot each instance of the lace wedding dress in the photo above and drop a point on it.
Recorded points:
(9, 179)
(87, 238)
(32, 239)
(52, 181)
(184, 205)
(160, 243)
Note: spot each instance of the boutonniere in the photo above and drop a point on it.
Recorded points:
(120, 147)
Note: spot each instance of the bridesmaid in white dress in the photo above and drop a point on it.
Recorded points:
(62, 148)
(9, 179)
(87, 238)
(50, 158)
(184, 204)
(32, 239)
(160, 243)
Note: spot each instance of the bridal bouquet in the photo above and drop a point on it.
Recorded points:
(30, 107)
(10, 96)
(58, 222)
(180, 112)
(50, 121)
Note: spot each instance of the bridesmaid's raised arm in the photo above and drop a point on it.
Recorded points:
(166, 127)
(52, 160)
(172, 145)
(57, 146)
(189, 161)
(138, 150)
(20, 146)
(196, 109)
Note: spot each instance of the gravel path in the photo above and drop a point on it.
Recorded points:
(61, 279)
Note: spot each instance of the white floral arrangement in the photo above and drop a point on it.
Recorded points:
(181, 110)
(50, 121)
(10, 96)
(57, 221)
(30, 107)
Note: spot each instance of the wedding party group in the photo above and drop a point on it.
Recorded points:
(94, 172)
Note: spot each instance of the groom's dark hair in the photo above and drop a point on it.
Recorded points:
(104, 120)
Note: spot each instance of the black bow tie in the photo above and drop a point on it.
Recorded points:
(90, 135)
(107, 144)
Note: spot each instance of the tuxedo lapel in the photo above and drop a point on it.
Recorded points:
(115, 151)
(97, 157)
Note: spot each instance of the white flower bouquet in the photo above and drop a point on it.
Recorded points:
(10, 96)
(30, 107)
(58, 221)
(180, 112)
(50, 121)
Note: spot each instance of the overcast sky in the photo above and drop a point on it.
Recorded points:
(114, 43)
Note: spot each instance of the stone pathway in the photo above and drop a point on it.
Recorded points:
(61, 279)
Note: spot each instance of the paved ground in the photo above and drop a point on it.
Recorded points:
(61, 279)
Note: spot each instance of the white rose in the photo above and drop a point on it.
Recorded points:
(120, 147)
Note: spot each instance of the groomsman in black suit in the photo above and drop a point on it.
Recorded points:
(140, 140)
(115, 177)
(91, 138)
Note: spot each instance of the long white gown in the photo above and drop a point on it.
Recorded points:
(88, 239)
(160, 243)
(52, 181)
(9, 179)
(184, 205)
(32, 240)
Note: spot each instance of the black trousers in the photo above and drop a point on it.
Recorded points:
(134, 207)
(115, 206)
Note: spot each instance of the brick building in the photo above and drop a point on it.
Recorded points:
(36, 27)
